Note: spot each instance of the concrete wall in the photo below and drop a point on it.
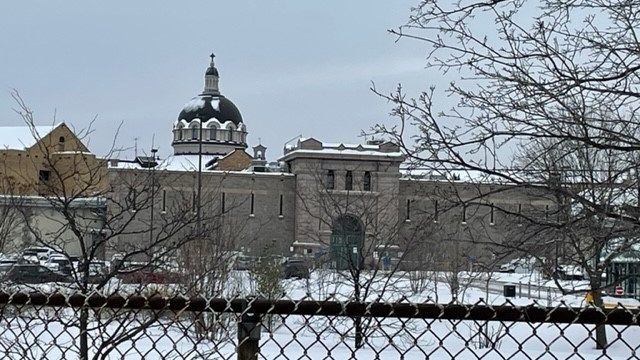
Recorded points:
(251, 232)
(34, 221)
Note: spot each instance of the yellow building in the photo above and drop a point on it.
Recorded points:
(43, 160)
(42, 167)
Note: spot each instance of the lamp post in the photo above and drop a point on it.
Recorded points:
(153, 195)
(198, 212)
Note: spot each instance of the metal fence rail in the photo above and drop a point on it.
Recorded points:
(38, 325)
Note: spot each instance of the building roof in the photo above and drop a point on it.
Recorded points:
(23, 137)
(310, 147)
(205, 107)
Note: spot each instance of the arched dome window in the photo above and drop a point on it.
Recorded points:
(179, 132)
(231, 135)
(194, 133)
(212, 132)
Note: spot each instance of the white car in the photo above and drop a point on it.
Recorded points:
(59, 264)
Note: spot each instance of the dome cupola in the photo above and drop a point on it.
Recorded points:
(209, 121)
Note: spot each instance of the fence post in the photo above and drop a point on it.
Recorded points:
(248, 334)
(519, 289)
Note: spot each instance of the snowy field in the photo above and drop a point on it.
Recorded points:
(46, 333)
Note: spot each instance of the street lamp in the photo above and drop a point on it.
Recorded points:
(153, 193)
(198, 212)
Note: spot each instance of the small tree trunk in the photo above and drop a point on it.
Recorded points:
(84, 336)
(359, 340)
(601, 333)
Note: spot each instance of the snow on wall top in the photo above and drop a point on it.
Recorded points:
(303, 145)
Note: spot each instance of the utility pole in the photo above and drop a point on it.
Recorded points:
(198, 209)
(153, 195)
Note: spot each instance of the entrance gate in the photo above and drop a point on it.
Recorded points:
(347, 238)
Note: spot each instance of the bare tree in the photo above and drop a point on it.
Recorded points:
(95, 211)
(363, 237)
(557, 77)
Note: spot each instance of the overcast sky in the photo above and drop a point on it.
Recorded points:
(291, 67)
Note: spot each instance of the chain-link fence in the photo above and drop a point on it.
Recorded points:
(36, 325)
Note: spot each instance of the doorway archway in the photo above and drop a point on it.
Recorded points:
(347, 240)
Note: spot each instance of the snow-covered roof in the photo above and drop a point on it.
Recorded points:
(184, 163)
(172, 163)
(455, 175)
(622, 250)
(311, 146)
(23, 137)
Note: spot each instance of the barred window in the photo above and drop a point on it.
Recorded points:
(366, 186)
(348, 181)
(331, 180)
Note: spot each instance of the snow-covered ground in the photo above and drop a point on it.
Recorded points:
(29, 333)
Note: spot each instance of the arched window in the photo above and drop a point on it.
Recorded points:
(179, 131)
(366, 185)
(61, 143)
(331, 180)
(194, 133)
(348, 181)
(230, 135)
(212, 133)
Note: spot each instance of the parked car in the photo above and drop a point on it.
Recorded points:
(8, 261)
(59, 263)
(570, 272)
(244, 262)
(4, 268)
(519, 265)
(98, 270)
(37, 254)
(138, 276)
(34, 274)
(295, 268)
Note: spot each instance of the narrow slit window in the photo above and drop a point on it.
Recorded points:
(546, 212)
(366, 186)
(331, 179)
(435, 210)
(492, 216)
(253, 201)
(280, 206)
(222, 202)
(464, 213)
(134, 196)
(408, 209)
(193, 201)
(164, 200)
(519, 214)
(348, 181)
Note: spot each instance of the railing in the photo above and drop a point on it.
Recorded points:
(46, 326)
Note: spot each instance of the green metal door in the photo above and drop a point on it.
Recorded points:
(346, 243)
